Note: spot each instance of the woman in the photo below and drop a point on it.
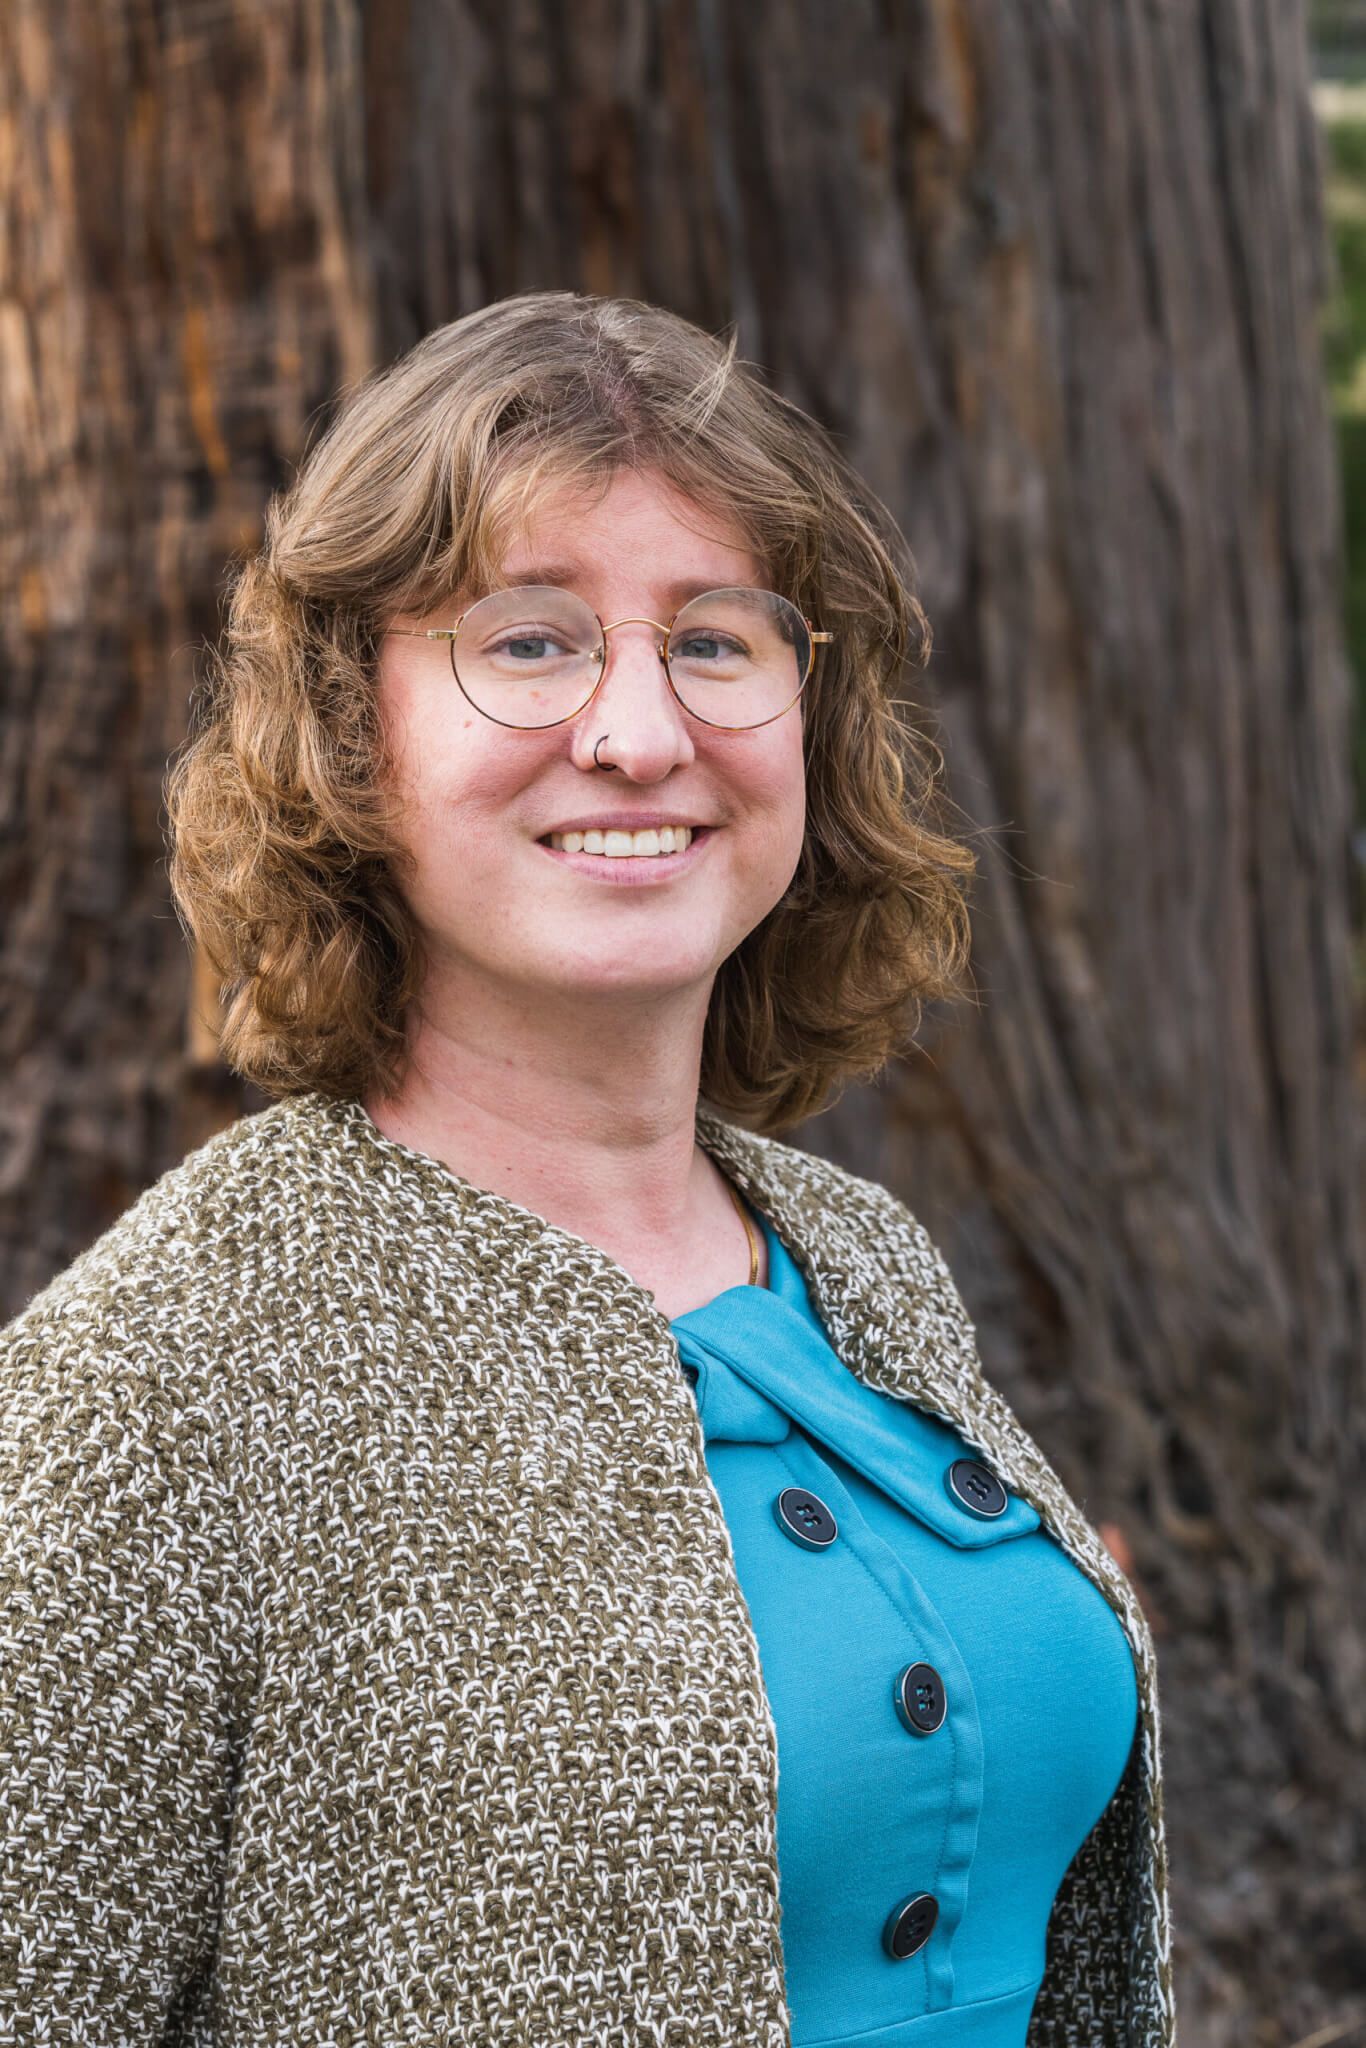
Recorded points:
(494, 1552)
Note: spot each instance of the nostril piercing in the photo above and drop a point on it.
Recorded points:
(607, 767)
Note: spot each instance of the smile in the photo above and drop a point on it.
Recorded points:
(644, 845)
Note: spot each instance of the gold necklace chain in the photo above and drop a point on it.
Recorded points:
(750, 1233)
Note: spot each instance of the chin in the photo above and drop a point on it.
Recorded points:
(656, 970)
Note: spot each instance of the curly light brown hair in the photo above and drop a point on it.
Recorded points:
(285, 858)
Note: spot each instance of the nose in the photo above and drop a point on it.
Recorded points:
(647, 727)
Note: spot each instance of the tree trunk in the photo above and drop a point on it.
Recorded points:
(1052, 272)
(185, 281)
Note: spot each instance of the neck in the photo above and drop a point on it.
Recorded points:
(582, 1112)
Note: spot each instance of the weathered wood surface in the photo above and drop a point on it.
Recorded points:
(1052, 270)
(183, 284)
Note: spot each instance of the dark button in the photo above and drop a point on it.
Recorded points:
(976, 1488)
(805, 1518)
(910, 1926)
(921, 1703)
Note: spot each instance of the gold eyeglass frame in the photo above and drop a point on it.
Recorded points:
(448, 633)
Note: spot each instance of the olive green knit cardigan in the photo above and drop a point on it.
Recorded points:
(373, 1666)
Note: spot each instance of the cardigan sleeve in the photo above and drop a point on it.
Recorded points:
(122, 1686)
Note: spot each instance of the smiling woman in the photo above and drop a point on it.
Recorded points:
(530, 1458)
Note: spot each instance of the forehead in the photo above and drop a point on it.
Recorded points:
(635, 518)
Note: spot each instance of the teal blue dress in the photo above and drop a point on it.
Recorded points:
(919, 1848)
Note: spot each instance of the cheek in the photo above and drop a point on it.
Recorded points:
(452, 767)
(772, 791)
(786, 780)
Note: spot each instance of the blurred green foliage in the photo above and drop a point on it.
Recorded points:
(1337, 29)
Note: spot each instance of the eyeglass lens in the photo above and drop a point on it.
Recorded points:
(532, 656)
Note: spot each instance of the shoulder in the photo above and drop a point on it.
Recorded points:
(180, 1220)
(144, 1320)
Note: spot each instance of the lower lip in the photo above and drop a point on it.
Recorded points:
(632, 870)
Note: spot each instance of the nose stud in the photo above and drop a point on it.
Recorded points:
(607, 767)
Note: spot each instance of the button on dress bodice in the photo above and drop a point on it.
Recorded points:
(954, 1700)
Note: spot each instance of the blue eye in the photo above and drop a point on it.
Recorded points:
(528, 647)
(706, 647)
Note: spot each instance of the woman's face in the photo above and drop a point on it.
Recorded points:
(502, 909)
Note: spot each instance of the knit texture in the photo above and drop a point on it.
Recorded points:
(373, 1666)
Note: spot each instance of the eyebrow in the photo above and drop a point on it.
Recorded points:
(561, 575)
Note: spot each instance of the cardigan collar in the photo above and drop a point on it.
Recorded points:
(911, 1339)
(906, 1333)
(921, 1334)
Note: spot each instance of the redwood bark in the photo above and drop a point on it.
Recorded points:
(1052, 272)
(183, 283)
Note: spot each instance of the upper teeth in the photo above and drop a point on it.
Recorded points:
(618, 845)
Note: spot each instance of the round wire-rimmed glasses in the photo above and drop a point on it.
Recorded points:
(534, 655)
